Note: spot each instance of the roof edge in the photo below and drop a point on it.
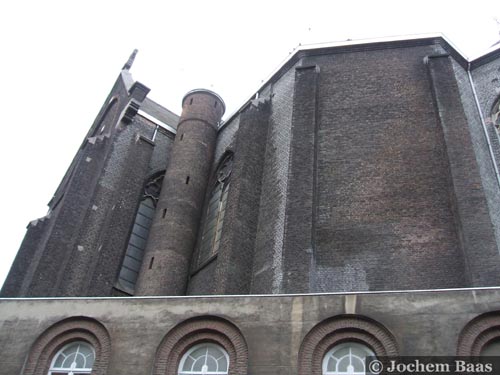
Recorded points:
(399, 41)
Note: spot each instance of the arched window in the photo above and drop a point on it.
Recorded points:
(140, 231)
(75, 358)
(346, 359)
(214, 217)
(491, 349)
(204, 359)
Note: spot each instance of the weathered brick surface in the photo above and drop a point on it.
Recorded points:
(384, 219)
(469, 203)
(201, 280)
(55, 337)
(298, 258)
(268, 262)
(236, 250)
(487, 86)
(78, 249)
(174, 230)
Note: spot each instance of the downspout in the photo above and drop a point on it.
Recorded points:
(483, 123)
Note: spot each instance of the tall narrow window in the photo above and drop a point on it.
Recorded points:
(346, 359)
(495, 115)
(204, 359)
(137, 242)
(75, 358)
(214, 217)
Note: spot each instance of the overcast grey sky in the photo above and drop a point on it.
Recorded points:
(59, 60)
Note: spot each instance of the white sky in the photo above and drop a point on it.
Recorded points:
(59, 59)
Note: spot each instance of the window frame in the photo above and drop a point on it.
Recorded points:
(69, 370)
(194, 348)
(348, 344)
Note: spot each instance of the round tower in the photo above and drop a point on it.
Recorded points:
(173, 233)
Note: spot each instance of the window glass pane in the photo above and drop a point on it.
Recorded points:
(492, 349)
(346, 359)
(204, 359)
(77, 358)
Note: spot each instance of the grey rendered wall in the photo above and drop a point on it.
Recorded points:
(422, 323)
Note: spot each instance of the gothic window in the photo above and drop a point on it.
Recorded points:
(75, 358)
(346, 359)
(137, 241)
(214, 217)
(204, 359)
(495, 115)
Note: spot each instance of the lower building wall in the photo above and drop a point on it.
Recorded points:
(272, 333)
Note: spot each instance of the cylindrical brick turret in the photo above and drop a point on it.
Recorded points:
(174, 229)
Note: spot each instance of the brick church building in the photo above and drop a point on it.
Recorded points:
(350, 209)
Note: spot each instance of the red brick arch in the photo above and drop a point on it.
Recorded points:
(333, 331)
(478, 333)
(64, 332)
(198, 330)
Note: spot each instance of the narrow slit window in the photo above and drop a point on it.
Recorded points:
(187, 180)
(151, 262)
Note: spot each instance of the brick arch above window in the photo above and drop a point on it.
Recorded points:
(336, 330)
(205, 329)
(478, 333)
(62, 333)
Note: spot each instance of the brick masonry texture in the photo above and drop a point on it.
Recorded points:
(468, 200)
(356, 168)
(174, 230)
(201, 279)
(267, 265)
(487, 85)
(384, 218)
(298, 264)
(235, 255)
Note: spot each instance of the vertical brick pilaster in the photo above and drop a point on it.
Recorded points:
(299, 228)
(469, 204)
(235, 258)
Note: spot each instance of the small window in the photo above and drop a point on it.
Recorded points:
(346, 359)
(204, 359)
(75, 358)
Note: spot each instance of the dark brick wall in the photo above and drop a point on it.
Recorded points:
(298, 258)
(384, 219)
(173, 233)
(235, 254)
(116, 207)
(487, 85)
(78, 248)
(267, 265)
(469, 203)
(201, 279)
(27, 258)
